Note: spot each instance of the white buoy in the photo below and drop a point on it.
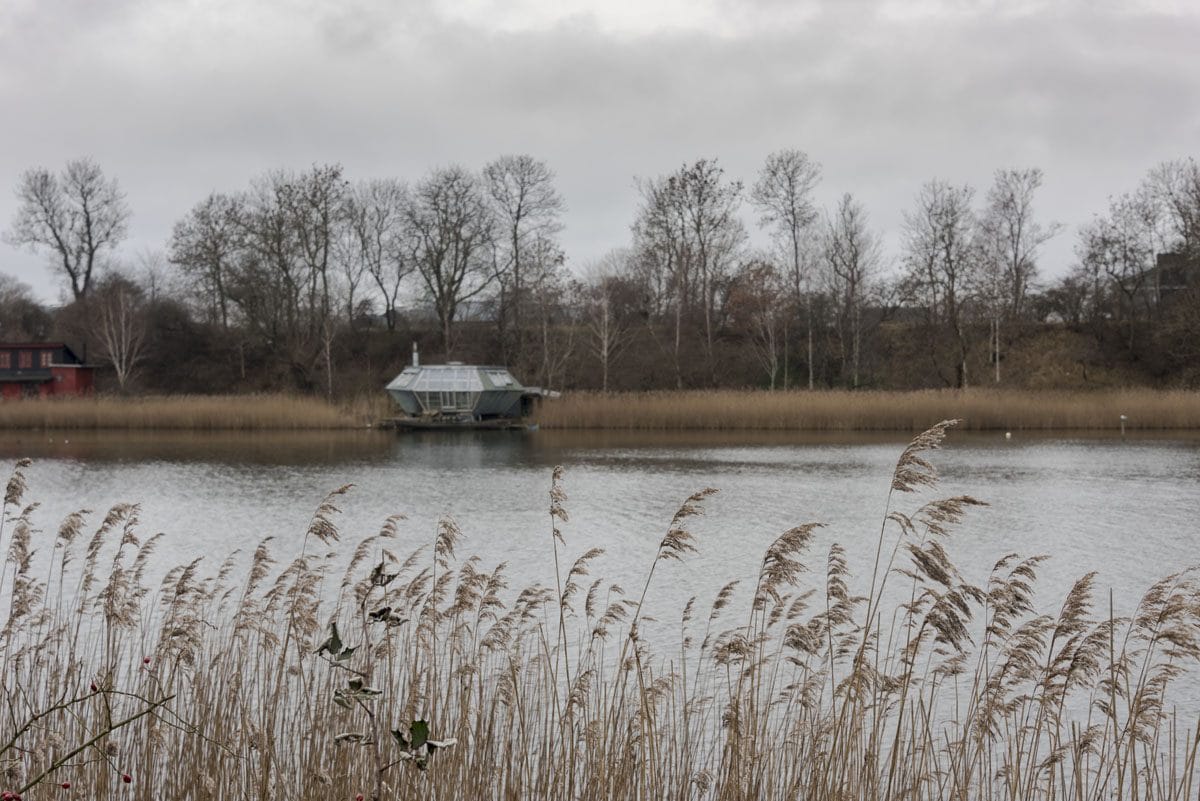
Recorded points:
(1123, 419)
(1008, 435)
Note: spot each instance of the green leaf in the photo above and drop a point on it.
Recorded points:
(345, 654)
(420, 732)
(401, 738)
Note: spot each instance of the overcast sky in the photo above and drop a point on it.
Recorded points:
(178, 98)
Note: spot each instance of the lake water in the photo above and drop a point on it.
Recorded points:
(1127, 507)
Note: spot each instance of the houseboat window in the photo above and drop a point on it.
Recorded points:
(44, 358)
(25, 359)
(5, 360)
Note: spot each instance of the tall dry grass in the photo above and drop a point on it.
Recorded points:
(834, 410)
(427, 676)
(186, 412)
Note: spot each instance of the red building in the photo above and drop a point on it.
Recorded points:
(41, 370)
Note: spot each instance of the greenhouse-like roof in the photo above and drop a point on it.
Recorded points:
(454, 378)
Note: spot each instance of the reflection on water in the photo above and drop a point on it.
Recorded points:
(252, 447)
(484, 448)
(1126, 507)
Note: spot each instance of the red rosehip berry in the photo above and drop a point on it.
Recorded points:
(125, 777)
(358, 797)
(65, 785)
(145, 660)
(93, 687)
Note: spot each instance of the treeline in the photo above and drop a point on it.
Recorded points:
(312, 281)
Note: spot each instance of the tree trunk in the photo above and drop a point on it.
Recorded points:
(678, 326)
(446, 325)
(810, 343)
(857, 323)
(785, 352)
(996, 354)
(328, 362)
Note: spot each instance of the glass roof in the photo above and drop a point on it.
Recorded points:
(453, 378)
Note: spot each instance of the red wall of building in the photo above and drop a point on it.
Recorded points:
(64, 381)
(69, 381)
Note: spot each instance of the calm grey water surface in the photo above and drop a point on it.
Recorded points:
(1126, 508)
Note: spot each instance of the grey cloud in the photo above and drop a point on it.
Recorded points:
(1093, 97)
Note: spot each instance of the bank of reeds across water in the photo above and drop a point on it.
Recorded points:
(834, 410)
(394, 668)
(186, 412)
(696, 410)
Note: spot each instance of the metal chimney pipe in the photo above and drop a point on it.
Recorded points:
(416, 356)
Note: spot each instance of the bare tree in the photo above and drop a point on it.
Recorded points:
(710, 208)
(991, 290)
(663, 257)
(269, 284)
(1009, 238)
(852, 253)
(1177, 186)
(1122, 246)
(376, 212)
(150, 271)
(352, 269)
(450, 229)
(783, 197)
(757, 303)
(527, 209)
(940, 253)
(315, 204)
(552, 293)
(205, 244)
(121, 326)
(609, 331)
(688, 228)
(21, 316)
(77, 216)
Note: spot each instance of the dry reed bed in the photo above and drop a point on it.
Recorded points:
(185, 412)
(981, 409)
(785, 684)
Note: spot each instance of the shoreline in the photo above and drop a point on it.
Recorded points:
(275, 412)
(662, 411)
(876, 410)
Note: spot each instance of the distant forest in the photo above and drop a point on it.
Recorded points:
(313, 282)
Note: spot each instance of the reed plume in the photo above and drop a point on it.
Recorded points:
(348, 668)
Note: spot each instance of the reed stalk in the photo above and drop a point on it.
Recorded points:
(428, 676)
